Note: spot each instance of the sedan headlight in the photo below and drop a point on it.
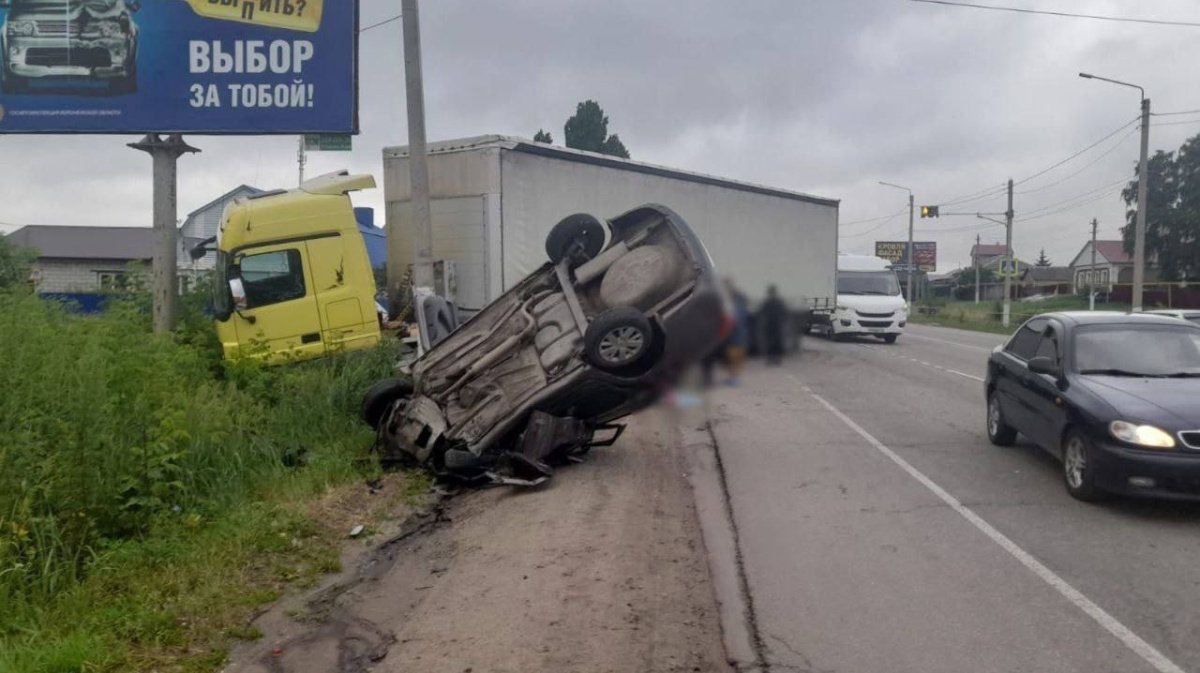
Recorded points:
(1142, 435)
(21, 28)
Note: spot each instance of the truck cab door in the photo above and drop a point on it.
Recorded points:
(280, 313)
(345, 292)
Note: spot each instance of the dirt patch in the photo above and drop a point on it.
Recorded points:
(602, 569)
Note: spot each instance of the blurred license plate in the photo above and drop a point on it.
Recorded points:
(874, 329)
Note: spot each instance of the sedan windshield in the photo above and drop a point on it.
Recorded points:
(867, 282)
(1138, 351)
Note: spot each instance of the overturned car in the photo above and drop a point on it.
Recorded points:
(595, 334)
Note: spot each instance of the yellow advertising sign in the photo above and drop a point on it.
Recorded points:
(303, 15)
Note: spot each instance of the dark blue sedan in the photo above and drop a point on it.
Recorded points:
(1114, 396)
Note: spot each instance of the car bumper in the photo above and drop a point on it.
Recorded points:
(1174, 475)
(854, 324)
(101, 58)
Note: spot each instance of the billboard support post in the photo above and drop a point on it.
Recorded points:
(164, 283)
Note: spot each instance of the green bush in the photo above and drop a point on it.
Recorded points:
(110, 435)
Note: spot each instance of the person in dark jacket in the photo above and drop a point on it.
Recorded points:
(773, 317)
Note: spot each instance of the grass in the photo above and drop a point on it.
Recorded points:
(987, 316)
(153, 497)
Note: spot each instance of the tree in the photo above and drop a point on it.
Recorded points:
(614, 147)
(543, 137)
(1173, 215)
(964, 281)
(15, 263)
(588, 130)
(1043, 260)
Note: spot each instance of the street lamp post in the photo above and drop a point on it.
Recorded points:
(1139, 232)
(909, 254)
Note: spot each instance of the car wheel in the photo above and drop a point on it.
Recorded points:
(999, 431)
(381, 396)
(618, 338)
(890, 338)
(579, 236)
(1079, 473)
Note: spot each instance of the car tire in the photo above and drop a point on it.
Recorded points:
(380, 396)
(999, 431)
(618, 338)
(579, 235)
(889, 338)
(1079, 474)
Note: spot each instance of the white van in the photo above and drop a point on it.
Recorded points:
(869, 301)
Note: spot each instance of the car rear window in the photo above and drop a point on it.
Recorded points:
(1024, 343)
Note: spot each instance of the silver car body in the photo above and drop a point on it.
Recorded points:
(86, 39)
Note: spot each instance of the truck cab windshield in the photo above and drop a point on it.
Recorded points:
(868, 282)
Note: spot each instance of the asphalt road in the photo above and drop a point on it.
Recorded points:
(880, 532)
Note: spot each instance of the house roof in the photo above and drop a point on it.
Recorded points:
(1049, 274)
(73, 242)
(236, 191)
(990, 250)
(1114, 251)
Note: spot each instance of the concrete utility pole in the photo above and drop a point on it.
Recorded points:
(977, 268)
(164, 283)
(1008, 220)
(1139, 232)
(910, 249)
(909, 254)
(302, 159)
(418, 167)
(1092, 275)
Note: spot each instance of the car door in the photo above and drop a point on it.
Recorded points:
(1013, 372)
(280, 316)
(1046, 406)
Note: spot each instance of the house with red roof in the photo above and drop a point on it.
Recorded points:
(1113, 266)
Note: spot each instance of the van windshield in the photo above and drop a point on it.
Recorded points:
(867, 282)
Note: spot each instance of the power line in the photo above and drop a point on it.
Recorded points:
(976, 196)
(381, 23)
(1172, 114)
(1121, 181)
(1080, 152)
(1086, 201)
(1022, 10)
(872, 229)
(1088, 165)
(1190, 121)
(872, 219)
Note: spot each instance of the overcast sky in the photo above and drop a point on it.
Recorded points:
(821, 96)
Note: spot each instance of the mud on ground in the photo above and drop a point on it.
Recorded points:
(601, 569)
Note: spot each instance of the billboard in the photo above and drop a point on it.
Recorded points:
(182, 66)
(896, 252)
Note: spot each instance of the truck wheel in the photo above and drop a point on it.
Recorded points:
(578, 235)
(380, 396)
(618, 338)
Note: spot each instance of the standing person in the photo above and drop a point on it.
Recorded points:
(739, 338)
(773, 317)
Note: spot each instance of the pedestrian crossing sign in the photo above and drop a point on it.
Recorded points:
(1009, 268)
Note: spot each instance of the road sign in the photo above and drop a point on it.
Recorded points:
(328, 142)
(924, 254)
(1009, 268)
(179, 66)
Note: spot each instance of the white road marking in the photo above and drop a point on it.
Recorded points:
(952, 343)
(927, 364)
(1131, 640)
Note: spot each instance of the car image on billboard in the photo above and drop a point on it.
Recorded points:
(182, 66)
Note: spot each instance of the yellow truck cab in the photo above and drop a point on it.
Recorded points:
(293, 280)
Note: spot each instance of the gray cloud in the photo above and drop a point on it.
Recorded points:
(822, 96)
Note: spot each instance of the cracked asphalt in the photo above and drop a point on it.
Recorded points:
(855, 564)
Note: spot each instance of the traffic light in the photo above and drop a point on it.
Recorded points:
(929, 211)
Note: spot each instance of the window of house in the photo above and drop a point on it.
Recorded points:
(120, 281)
(272, 277)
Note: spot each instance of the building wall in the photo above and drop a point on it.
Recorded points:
(75, 275)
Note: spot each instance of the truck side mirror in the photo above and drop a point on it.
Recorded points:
(238, 290)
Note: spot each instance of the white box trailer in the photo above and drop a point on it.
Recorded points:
(494, 199)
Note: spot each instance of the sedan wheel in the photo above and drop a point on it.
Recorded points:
(999, 431)
(1078, 469)
(622, 346)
